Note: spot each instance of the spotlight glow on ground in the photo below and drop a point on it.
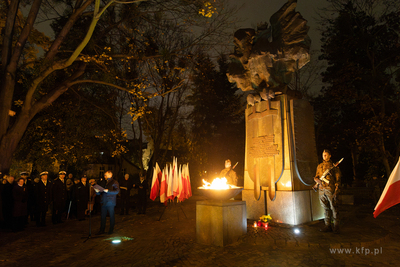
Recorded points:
(116, 241)
(296, 231)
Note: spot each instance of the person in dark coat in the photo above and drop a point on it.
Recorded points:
(125, 186)
(20, 208)
(142, 186)
(43, 198)
(69, 182)
(31, 196)
(92, 198)
(108, 202)
(82, 198)
(59, 197)
(7, 200)
(73, 209)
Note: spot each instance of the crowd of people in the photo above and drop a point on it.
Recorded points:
(25, 199)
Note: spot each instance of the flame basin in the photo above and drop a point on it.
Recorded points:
(220, 194)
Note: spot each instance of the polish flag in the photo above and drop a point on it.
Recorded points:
(184, 183)
(180, 181)
(186, 187)
(189, 186)
(163, 187)
(175, 177)
(391, 194)
(155, 183)
(170, 181)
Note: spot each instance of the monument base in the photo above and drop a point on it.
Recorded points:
(289, 207)
(220, 223)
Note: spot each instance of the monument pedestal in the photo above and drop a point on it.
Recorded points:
(281, 159)
(289, 207)
(220, 223)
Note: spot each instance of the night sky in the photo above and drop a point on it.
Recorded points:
(255, 11)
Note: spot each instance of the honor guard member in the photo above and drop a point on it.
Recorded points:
(108, 202)
(59, 197)
(125, 186)
(328, 191)
(229, 173)
(43, 198)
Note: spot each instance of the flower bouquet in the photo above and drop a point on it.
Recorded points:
(264, 220)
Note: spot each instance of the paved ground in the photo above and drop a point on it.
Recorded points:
(171, 241)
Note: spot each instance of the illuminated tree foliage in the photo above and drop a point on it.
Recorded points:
(63, 134)
(359, 109)
(89, 40)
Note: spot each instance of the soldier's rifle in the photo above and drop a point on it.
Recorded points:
(322, 178)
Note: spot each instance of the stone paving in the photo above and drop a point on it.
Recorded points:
(171, 241)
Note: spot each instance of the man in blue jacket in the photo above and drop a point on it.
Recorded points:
(108, 202)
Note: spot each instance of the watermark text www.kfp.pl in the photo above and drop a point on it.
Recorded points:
(356, 250)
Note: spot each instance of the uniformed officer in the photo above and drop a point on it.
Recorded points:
(43, 198)
(328, 190)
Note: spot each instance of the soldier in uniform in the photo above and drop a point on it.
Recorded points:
(59, 197)
(229, 173)
(43, 198)
(125, 186)
(328, 192)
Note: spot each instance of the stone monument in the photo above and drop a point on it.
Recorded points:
(281, 156)
(219, 220)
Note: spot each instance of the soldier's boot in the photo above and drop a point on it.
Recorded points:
(326, 228)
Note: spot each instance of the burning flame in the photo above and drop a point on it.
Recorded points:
(217, 183)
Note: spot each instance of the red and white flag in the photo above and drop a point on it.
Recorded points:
(180, 181)
(189, 185)
(170, 181)
(175, 177)
(186, 187)
(163, 187)
(155, 183)
(391, 194)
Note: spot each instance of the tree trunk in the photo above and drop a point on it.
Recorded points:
(9, 143)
